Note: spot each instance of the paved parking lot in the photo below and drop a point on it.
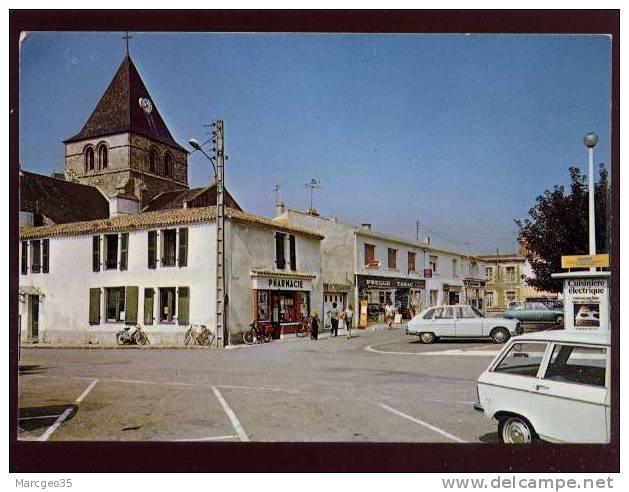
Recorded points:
(381, 386)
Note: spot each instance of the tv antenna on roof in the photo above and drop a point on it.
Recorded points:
(313, 184)
(276, 191)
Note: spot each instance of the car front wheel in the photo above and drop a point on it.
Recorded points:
(427, 337)
(516, 430)
(559, 319)
(499, 335)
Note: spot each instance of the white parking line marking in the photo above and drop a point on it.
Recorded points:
(232, 416)
(451, 352)
(86, 392)
(215, 438)
(46, 435)
(421, 422)
(40, 417)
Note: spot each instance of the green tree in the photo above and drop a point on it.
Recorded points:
(558, 225)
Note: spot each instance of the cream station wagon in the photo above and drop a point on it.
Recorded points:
(550, 386)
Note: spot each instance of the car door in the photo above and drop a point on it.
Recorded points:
(467, 323)
(443, 322)
(572, 395)
(514, 377)
(542, 313)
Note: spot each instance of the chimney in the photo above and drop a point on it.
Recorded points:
(366, 227)
(279, 209)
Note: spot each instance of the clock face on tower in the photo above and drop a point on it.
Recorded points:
(146, 104)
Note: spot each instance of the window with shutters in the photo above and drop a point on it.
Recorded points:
(114, 304)
(111, 251)
(370, 254)
(24, 263)
(169, 247)
(149, 300)
(184, 306)
(124, 250)
(152, 249)
(392, 258)
(280, 259)
(455, 267)
(96, 253)
(292, 252)
(45, 255)
(433, 263)
(35, 256)
(510, 274)
(411, 262)
(166, 304)
(183, 247)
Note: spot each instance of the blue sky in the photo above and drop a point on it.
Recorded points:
(459, 132)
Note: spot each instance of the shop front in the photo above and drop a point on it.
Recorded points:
(405, 294)
(281, 301)
(475, 292)
(452, 294)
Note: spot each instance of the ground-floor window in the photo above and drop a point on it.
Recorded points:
(114, 302)
(489, 299)
(166, 304)
(510, 296)
(263, 305)
(453, 297)
(304, 304)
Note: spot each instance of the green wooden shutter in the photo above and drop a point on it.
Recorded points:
(292, 253)
(183, 247)
(124, 250)
(131, 305)
(96, 253)
(152, 252)
(24, 257)
(149, 296)
(184, 306)
(95, 306)
(45, 255)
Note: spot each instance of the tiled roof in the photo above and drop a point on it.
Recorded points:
(61, 201)
(162, 218)
(195, 197)
(119, 110)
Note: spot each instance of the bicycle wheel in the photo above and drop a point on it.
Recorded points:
(209, 340)
(303, 329)
(141, 338)
(267, 335)
(249, 337)
(188, 338)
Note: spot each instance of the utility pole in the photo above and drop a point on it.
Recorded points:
(222, 331)
(417, 230)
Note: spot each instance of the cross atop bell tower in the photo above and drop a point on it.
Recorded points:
(126, 37)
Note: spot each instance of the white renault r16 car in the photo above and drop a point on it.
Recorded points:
(461, 321)
(550, 386)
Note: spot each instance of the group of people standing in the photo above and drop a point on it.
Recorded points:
(336, 316)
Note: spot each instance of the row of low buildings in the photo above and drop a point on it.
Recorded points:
(123, 240)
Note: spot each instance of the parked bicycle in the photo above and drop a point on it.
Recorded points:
(199, 335)
(304, 328)
(132, 335)
(257, 334)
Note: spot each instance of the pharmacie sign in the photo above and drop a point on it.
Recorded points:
(281, 283)
(372, 282)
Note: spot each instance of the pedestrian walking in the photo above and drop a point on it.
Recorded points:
(389, 313)
(314, 325)
(334, 320)
(349, 318)
(341, 318)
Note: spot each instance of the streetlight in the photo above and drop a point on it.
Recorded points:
(197, 146)
(590, 140)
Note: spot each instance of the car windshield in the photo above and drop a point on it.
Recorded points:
(478, 312)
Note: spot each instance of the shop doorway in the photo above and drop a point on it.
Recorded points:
(329, 298)
(33, 317)
(453, 298)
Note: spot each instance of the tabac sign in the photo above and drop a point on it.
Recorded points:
(373, 282)
(585, 261)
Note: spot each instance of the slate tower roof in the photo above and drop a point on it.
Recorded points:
(120, 110)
